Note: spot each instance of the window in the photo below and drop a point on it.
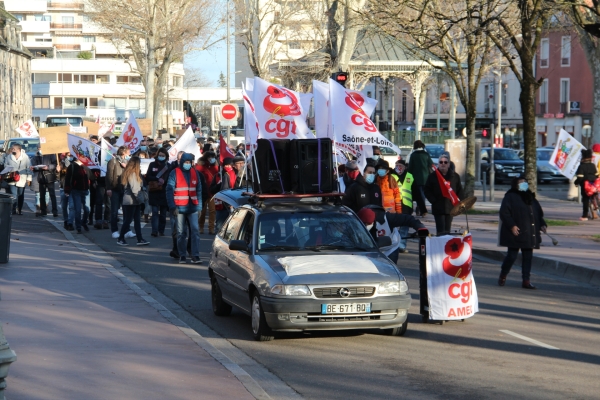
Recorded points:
(89, 39)
(19, 17)
(544, 53)
(135, 80)
(247, 232)
(75, 102)
(86, 18)
(93, 102)
(65, 78)
(84, 78)
(40, 17)
(106, 103)
(233, 225)
(68, 21)
(176, 105)
(294, 46)
(102, 79)
(564, 94)
(120, 103)
(58, 102)
(178, 81)
(565, 51)
(403, 107)
(41, 102)
(44, 78)
(122, 79)
(125, 79)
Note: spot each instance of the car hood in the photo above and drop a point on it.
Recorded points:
(332, 268)
(509, 162)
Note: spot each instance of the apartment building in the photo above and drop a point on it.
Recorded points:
(76, 68)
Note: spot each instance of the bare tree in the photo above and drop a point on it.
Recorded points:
(158, 33)
(450, 36)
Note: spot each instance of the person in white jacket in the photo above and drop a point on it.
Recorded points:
(19, 162)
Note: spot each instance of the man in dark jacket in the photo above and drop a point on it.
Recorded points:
(586, 172)
(363, 192)
(114, 188)
(440, 205)
(420, 166)
(44, 168)
(77, 185)
(521, 220)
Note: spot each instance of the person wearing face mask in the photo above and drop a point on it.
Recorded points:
(184, 196)
(390, 192)
(143, 149)
(77, 186)
(374, 159)
(209, 168)
(586, 172)
(363, 192)
(405, 181)
(440, 205)
(350, 175)
(521, 220)
(20, 164)
(44, 177)
(382, 223)
(114, 188)
(158, 171)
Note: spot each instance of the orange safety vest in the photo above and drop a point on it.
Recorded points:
(182, 192)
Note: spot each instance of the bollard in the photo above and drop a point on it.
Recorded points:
(484, 186)
(7, 357)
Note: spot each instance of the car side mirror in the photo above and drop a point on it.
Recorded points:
(384, 241)
(238, 245)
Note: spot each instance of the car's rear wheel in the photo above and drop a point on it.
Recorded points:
(399, 330)
(220, 308)
(260, 329)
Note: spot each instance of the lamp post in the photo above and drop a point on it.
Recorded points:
(228, 67)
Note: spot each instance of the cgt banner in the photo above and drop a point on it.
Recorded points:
(85, 151)
(131, 135)
(567, 154)
(27, 129)
(450, 284)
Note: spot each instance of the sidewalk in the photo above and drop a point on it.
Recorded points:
(576, 257)
(81, 332)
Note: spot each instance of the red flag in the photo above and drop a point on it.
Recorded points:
(447, 191)
(224, 150)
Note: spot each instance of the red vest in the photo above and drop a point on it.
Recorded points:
(182, 192)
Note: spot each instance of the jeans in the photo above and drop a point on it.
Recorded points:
(19, 195)
(115, 203)
(132, 212)
(66, 203)
(159, 218)
(37, 198)
(403, 231)
(79, 202)
(443, 223)
(208, 206)
(585, 202)
(192, 220)
(101, 200)
(45, 190)
(511, 257)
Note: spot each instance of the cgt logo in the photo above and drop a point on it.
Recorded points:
(359, 118)
(282, 103)
(459, 260)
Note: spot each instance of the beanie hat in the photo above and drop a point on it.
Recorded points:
(238, 159)
(366, 215)
(228, 161)
(352, 165)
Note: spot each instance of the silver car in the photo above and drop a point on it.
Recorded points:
(304, 265)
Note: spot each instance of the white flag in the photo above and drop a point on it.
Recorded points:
(105, 129)
(108, 151)
(186, 143)
(450, 285)
(27, 129)
(567, 154)
(85, 151)
(350, 121)
(131, 135)
(279, 112)
(251, 128)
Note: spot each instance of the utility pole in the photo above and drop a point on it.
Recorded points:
(228, 83)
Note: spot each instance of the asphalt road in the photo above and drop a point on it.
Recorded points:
(472, 359)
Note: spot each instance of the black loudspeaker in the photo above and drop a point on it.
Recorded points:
(309, 157)
(274, 167)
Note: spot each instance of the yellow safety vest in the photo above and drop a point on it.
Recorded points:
(406, 190)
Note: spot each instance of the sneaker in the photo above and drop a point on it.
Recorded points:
(143, 243)
(130, 234)
(120, 212)
(174, 254)
(115, 235)
(70, 227)
(583, 219)
(65, 224)
(154, 234)
(182, 260)
(196, 260)
(121, 243)
(85, 227)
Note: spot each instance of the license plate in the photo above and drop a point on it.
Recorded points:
(352, 308)
(513, 174)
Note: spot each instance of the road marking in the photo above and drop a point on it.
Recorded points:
(530, 340)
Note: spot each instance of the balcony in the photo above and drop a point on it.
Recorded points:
(54, 25)
(30, 44)
(54, 5)
(68, 46)
(35, 26)
(543, 108)
(24, 7)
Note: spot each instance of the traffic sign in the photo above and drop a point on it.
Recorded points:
(228, 114)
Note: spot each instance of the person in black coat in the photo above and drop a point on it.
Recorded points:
(44, 167)
(440, 205)
(363, 192)
(521, 220)
(158, 171)
(586, 172)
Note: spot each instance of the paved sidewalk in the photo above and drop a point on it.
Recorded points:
(81, 333)
(576, 257)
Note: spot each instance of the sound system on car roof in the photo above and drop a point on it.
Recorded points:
(300, 166)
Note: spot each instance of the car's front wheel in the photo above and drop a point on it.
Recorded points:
(220, 308)
(260, 329)
(399, 330)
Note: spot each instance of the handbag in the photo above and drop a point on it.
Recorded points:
(142, 197)
(154, 186)
(11, 177)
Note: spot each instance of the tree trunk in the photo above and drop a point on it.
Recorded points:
(422, 98)
(151, 85)
(470, 111)
(592, 53)
(526, 98)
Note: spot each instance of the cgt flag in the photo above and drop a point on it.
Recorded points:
(186, 143)
(279, 112)
(351, 124)
(450, 285)
(224, 150)
(27, 129)
(131, 135)
(446, 189)
(85, 151)
(251, 128)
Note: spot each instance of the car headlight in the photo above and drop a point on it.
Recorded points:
(291, 290)
(498, 167)
(392, 287)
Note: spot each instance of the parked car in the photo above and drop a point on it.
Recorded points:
(390, 155)
(305, 265)
(434, 150)
(28, 145)
(507, 164)
(545, 171)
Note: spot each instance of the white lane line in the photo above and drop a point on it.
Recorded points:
(530, 340)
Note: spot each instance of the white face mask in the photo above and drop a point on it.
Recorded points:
(369, 226)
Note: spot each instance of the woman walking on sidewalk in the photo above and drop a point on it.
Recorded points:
(521, 219)
(133, 198)
(586, 172)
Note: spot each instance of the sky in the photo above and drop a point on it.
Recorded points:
(211, 62)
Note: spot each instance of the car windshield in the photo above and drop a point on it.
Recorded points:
(544, 155)
(505, 154)
(314, 231)
(435, 151)
(28, 146)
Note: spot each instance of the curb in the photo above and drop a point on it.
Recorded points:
(557, 268)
